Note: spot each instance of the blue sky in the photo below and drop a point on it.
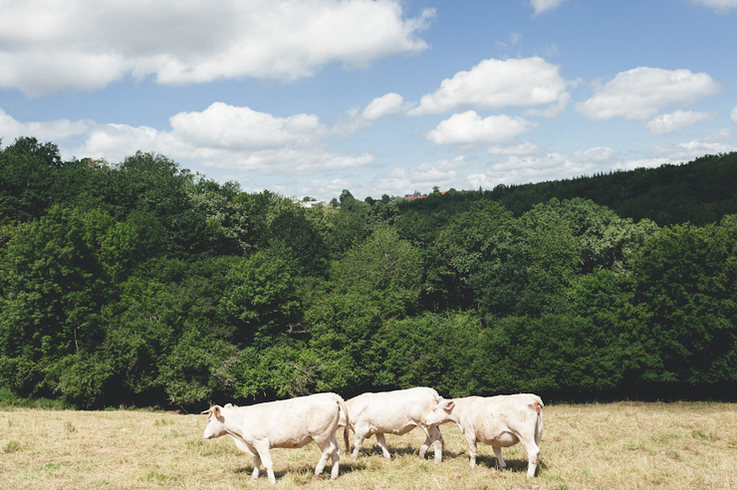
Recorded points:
(310, 97)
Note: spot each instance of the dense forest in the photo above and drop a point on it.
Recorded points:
(142, 284)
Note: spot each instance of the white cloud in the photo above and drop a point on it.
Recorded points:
(519, 169)
(677, 121)
(440, 173)
(469, 128)
(113, 142)
(87, 45)
(327, 187)
(225, 126)
(711, 144)
(598, 154)
(734, 115)
(541, 6)
(524, 148)
(719, 134)
(229, 137)
(639, 163)
(719, 5)
(10, 128)
(497, 84)
(640, 93)
(385, 105)
(429, 175)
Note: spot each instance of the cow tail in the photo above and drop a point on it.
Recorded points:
(342, 406)
(539, 425)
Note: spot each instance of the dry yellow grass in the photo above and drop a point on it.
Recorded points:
(609, 446)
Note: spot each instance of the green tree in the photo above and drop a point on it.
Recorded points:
(549, 256)
(685, 279)
(427, 350)
(199, 367)
(288, 368)
(54, 289)
(341, 328)
(262, 300)
(604, 239)
(384, 268)
(286, 223)
(228, 219)
(472, 249)
(27, 172)
(344, 231)
(561, 354)
(502, 265)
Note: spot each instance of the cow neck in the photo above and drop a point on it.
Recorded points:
(233, 428)
(455, 415)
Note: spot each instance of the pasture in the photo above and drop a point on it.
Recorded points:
(626, 445)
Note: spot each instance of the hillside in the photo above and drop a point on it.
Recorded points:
(699, 192)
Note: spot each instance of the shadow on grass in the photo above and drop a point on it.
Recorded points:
(401, 451)
(513, 465)
(395, 451)
(305, 470)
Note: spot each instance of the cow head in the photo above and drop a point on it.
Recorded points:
(215, 423)
(441, 412)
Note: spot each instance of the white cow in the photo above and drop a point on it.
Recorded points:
(500, 421)
(392, 412)
(286, 423)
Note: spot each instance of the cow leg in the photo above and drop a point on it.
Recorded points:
(437, 438)
(256, 465)
(498, 454)
(329, 448)
(432, 436)
(265, 455)
(426, 444)
(533, 453)
(384, 448)
(471, 440)
(358, 442)
(336, 458)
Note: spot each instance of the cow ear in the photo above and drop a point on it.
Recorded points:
(449, 404)
(214, 410)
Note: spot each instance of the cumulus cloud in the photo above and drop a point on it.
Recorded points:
(541, 6)
(11, 128)
(225, 136)
(640, 93)
(734, 115)
(385, 105)
(497, 84)
(469, 128)
(677, 121)
(88, 45)
(241, 128)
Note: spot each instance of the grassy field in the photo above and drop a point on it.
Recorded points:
(624, 445)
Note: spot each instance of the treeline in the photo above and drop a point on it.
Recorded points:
(700, 192)
(140, 283)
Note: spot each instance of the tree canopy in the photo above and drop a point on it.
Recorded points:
(141, 283)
